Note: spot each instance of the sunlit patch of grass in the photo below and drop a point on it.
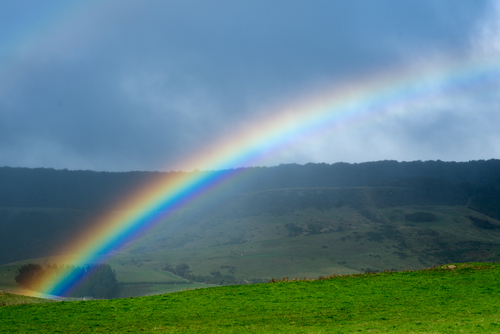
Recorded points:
(15, 299)
(445, 299)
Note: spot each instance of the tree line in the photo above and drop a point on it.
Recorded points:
(46, 187)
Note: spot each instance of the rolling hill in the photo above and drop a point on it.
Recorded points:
(447, 299)
(290, 220)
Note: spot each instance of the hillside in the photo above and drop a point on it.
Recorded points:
(449, 299)
(300, 221)
(307, 232)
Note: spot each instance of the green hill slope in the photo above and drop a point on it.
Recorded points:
(439, 300)
(307, 232)
(303, 232)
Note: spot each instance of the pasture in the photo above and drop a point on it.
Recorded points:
(447, 299)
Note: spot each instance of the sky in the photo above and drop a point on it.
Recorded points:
(126, 85)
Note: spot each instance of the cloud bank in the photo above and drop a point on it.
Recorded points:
(132, 85)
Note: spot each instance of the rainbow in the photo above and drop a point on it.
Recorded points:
(336, 110)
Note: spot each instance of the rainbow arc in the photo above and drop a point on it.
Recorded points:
(335, 111)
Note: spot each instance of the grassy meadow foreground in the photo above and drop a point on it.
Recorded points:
(443, 300)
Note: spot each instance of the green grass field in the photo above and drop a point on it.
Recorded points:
(440, 300)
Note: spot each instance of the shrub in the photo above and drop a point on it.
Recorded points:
(28, 274)
(483, 223)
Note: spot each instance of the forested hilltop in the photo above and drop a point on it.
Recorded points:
(45, 187)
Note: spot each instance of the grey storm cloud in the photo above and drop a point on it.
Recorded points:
(135, 85)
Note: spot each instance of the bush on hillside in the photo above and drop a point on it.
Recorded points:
(28, 274)
(483, 223)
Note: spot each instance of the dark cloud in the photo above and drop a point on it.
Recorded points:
(139, 85)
